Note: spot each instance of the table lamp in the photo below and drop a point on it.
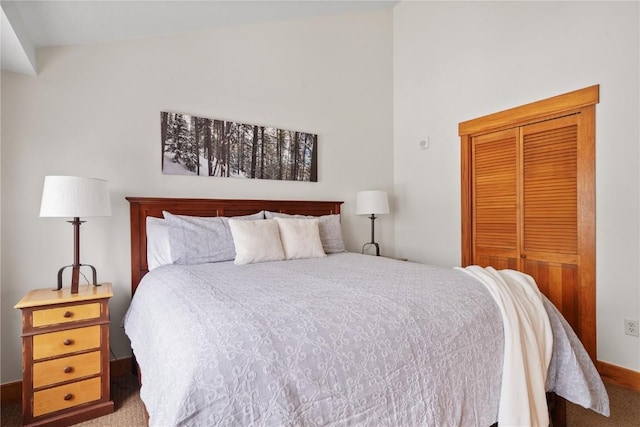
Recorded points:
(75, 197)
(372, 203)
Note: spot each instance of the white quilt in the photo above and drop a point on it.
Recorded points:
(346, 340)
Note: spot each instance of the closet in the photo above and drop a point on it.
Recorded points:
(528, 199)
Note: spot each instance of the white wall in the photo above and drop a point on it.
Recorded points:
(94, 110)
(454, 61)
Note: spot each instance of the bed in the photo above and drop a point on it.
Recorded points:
(342, 339)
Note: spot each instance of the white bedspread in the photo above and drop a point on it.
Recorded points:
(528, 343)
(344, 340)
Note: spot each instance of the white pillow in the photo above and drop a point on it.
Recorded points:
(158, 247)
(329, 226)
(256, 241)
(300, 238)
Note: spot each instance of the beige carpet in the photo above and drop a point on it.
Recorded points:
(624, 405)
(625, 409)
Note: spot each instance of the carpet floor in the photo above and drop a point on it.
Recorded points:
(129, 412)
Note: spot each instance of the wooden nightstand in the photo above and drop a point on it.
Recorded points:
(65, 355)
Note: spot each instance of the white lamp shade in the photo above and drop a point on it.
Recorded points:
(74, 197)
(372, 202)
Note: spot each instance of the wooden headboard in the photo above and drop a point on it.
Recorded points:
(142, 207)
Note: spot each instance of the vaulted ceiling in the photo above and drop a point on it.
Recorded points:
(27, 25)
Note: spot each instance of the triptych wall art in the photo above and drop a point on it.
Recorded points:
(210, 147)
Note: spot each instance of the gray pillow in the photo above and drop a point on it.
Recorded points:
(328, 225)
(198, 240)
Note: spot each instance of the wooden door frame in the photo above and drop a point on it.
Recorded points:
(581, 101)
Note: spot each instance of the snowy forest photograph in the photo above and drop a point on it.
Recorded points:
(210, 147)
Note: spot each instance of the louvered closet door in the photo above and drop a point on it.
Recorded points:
(533, 167)
(495, 199)
(528, 199)
(549, 251)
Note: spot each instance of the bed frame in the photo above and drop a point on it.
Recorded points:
(142, 207)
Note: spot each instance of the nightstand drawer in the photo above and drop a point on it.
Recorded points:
(74, 313)
(65, 369)
(66, 396)
(64, 342)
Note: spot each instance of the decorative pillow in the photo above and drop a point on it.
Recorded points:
(158, 247)
(256, 241)
(197, 240)
(300, 238)
(329, 226)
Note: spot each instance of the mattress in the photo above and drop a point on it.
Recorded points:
(348, 339)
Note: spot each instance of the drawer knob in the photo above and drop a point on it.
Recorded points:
(67, 314)
(68, 370)
(67, 341)
(68, 396)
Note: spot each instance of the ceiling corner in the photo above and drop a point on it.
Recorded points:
(18, 54)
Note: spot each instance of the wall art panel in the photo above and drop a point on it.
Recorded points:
(210, 147)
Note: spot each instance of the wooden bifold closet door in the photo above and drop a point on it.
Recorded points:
(528, 200)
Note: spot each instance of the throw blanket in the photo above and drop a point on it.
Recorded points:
(528, 343)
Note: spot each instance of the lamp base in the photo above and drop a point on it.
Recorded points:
(372, 242)
(75, 276)
(366, 245)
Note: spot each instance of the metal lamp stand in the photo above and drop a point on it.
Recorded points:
(75, 267)
(372, 242)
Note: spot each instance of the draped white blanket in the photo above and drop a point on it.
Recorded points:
(528, 343)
